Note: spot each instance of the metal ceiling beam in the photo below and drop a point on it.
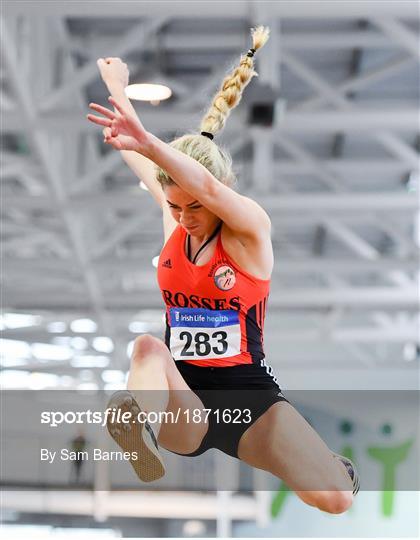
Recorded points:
(41, 148)
(361, 81)
(406, 244)
(358, 120)
(290, 40)
(313, 79)
(335, 40)
(302, 9)
(145, 272)
(342, 166)
(400, 149)
(396, 145)
(397, 31)
(364, 249)
(122, 231)
(303, 156)
(132, 40)
(132, 198)
(100, 167)
(263, 155)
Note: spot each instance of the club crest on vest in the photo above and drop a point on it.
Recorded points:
(224, 278)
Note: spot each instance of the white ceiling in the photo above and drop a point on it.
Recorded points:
(338, 172)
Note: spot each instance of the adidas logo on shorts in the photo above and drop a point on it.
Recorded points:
(167, 263)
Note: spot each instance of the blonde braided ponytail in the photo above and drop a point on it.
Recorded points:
(201, 148)
(230, 93)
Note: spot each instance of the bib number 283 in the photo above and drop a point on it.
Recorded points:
(200, 344)
(198, 334)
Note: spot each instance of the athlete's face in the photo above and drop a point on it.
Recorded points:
(188, 212)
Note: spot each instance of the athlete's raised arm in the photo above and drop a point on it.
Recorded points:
(115, 75)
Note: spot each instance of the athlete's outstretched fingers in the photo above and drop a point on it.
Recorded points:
(98, 120)
(117, 106)
(103, 110)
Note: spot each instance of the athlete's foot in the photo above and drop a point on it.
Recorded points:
(136, 436)
(351, 469)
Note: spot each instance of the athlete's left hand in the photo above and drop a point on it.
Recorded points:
(125, 132)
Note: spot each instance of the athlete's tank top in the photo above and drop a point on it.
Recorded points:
(215, 312)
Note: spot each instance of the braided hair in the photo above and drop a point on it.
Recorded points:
(201, 147)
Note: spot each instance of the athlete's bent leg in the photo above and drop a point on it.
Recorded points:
(283, 443)
(157, 385)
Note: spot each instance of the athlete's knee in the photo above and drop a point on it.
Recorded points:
(335, 502)
(146, 346)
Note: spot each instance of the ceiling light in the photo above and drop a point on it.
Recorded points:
(14, 348)
(19, 320)
(79, 343)
(83, 326)
(10, 378)
(194, 527)
(103, 344)
(46, 351)
(39, 381)
(155, 93)
(12, 362)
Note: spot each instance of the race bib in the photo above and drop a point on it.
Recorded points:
(199, 334)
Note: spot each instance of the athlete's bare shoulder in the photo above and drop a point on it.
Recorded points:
(254, 255)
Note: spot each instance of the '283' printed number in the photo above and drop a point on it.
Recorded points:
(201, 345)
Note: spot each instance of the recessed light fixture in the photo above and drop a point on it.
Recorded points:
(83, 326)
(103, 344)
(19, 320)
(155, 93)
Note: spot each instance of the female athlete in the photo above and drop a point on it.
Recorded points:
(214, 273)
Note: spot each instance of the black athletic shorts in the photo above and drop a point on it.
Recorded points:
(235, 398)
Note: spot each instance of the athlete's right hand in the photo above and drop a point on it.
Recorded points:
(127, 132)
(113, 70)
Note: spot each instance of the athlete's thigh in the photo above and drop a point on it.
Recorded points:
(181, 432)
(282, 442)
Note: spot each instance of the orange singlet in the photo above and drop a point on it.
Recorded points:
(215, 312)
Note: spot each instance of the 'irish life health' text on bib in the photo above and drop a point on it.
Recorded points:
(198, 334)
